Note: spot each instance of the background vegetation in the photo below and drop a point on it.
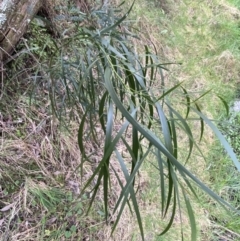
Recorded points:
(41, 168)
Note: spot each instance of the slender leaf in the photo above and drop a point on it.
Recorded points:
(191, 217)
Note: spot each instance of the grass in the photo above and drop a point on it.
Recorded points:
(39, 176)
(39, 182)
(204, 38)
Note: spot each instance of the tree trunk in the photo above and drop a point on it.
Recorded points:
(15, 15)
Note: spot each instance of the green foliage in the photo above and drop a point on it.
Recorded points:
(71, 232)
(37, 46)
(112, 85)
(106, 77)
(40, 41)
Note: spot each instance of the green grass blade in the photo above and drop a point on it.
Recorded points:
(95, 190)
(101, 111)
(174, 134)
(168, 92)
(172, 216)
(146, 60)
(170, 189)
(187, 101)
(105, 167)
(121, 185)
(225, 104)
(186, 129)
(162, 182)
(200, 97)
(135, 148)
(189, 185)
(191, 218)
(81, 141)
(165, 128)
(201, 122)
(132, 194)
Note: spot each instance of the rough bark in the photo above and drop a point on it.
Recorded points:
(15, 15)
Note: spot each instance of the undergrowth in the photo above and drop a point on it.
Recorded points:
(42, 175)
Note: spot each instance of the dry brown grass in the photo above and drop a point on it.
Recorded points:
(40, 175)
